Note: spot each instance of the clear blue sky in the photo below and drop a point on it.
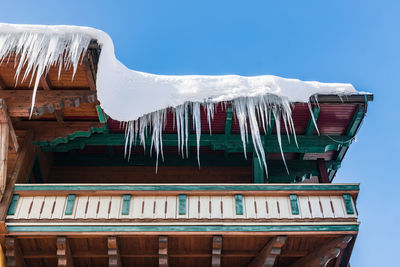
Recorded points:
(330, 41)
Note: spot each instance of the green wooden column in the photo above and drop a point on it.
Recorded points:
(258, 170)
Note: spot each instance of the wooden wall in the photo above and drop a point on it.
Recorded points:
(148, 174)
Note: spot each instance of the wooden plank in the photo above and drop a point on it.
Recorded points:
(324, 254)
(36, 209)
(267, 256)
(64, 252)
(104, 207)
(204, 207)
(14, 254)
(49, 203)
(81, 207)
(58, 210)
(215, 212)
(249, 207)
(115, 207)
(163, 251)
(348, 204)
(228, 208)
(216, 251)
(93, 207)
(114, 258)
(316, 210)
(194, 203)
(338, 206)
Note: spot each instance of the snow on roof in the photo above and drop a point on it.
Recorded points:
(132, 96)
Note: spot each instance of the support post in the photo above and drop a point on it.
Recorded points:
(14, 254)
(114, 258)
(323, 174)
(267, 256)
(324, 254)
(258, 170)
(216, 251)
(64, 252)
(163, 251)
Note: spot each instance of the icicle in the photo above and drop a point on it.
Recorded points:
(39, 51)
(197, 126)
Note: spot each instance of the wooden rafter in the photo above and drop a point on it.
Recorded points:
(14, 254)
(64, 252)
(19, 101)
(311, 125)
(45, 82)
(163, 251)
(324, 254)
(89, 74)
(267, 256)
(216, 251)
(114, 258)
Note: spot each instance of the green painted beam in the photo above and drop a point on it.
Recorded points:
(258, 170)
(294, 204)
(13, 205)
(233, 143)
(311, 126)
(100, 114)
(351, 130)
(348, 204)
(70, 204)
(126, 203)
(182, 204)
(248, 187)
(239, 204)
(183, 228)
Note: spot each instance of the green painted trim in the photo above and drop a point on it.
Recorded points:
(70, 204)
(71, 137)
(310, 126)
(258, 171)
(13, 205)
(348, 203)
(184, 228)
(231, 143)
(126, 202)
(100, 114)
(239, 204)
(260, 187)
(294, 204)
(182, 204)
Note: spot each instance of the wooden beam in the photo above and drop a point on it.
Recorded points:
(163, 251)
(323, 174)
(2, 84)
(64, 253)
(45, 82)
(114, 258)
(267, 256)
(14, 254)
(216, 251)
(19, 101)
(21, 170)
(325, 253)
(4, 133)
(89, 74)
(59, 115)
(4, 118)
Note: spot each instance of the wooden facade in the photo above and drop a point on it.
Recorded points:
(69, 197)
